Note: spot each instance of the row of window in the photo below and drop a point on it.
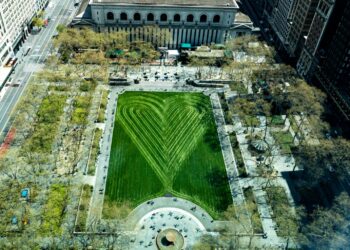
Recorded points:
(163, 17)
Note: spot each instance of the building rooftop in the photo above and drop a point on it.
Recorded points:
(216, 3)
(82, 7)
(242, 18)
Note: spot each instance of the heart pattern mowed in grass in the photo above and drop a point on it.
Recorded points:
(165, 130)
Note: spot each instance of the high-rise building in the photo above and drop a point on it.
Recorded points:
(333, 58)
(289, 20)
(316, 35)
(308, 58)
(15, 19)
(280, 19)
(336, 61)
(41, 4)
(300, 22)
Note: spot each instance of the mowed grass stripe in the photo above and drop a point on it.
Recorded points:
(185, 138)
(142, 132)
(156, 152)
(163, 136)
(130, 178)
(153, 161)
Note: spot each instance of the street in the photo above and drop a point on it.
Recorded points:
(41, 46)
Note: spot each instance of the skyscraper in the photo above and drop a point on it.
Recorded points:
(309, 56)
(289, 20)
(280, 19)
(315, 34)
(300, 22)
(333, 58)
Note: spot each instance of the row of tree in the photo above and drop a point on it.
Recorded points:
(87, 46)
(277, 90)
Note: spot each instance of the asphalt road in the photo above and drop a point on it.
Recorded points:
(60, 12)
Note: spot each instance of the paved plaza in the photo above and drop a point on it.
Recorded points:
(156, 215)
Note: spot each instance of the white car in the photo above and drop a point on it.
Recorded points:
(9, 81)
(17, 83)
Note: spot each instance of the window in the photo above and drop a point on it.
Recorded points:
(177, 18)
(190, 18)
(150, 17)
(137, 17)
(110, 16)
(216, 19)
(123, 16)
(203, 19)
(163, 18)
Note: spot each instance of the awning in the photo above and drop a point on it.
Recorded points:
(173, 52)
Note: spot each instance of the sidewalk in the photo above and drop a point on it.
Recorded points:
(279, 162)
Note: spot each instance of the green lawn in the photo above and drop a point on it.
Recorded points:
(287, 224)
(239, 87)
(83, 208)
(166, 143)
(238, 155)
(275, 121)
(250, 121)
(252, 207)
(48, 119)
(284, 140)
(95, 148)
(54, 210)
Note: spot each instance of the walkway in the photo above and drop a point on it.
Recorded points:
(202, 218)
(96, 203)
(229, 159)
(278, 161)
(230, 163)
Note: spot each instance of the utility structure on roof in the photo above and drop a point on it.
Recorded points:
(174, 21)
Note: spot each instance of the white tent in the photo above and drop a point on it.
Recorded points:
(173, 53)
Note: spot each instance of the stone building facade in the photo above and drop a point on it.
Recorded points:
(195, 22)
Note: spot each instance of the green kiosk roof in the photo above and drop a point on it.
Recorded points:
(186, 46)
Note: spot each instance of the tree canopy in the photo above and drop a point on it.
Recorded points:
(73, 43)
(329, 227)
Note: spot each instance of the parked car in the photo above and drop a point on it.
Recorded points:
(9, 81)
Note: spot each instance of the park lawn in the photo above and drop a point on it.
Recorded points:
(188, 163)
(250, 121)
(83, 208)
(103, 106)
(239, 87)
(238, 155)
(48, 119)
(283, 214)
(81, 109)
(275, 121)
(130, 178)
(54, 210)
(252, 207)
(293, 123)
(95, 148)
(284, 140)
